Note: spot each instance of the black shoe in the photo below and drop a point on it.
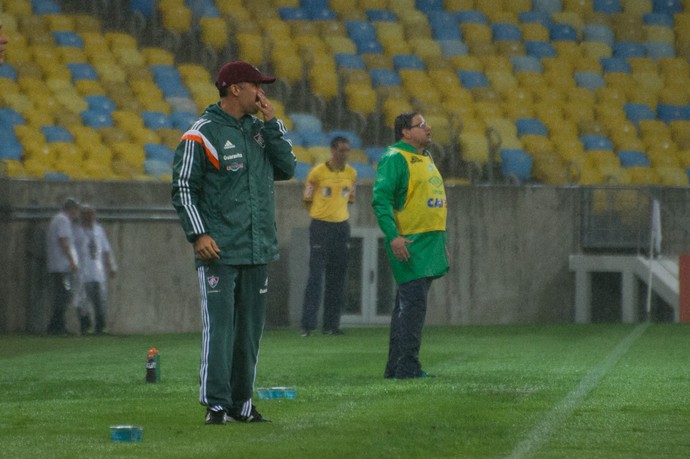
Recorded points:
(215, 417)
(336, 332)
(254, 416)
(306, 332)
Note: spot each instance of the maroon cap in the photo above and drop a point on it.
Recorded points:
(240, 72)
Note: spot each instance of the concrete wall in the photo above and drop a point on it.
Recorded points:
(509, 249)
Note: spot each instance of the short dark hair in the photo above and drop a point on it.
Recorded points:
(403, 121)
(335, 141)
(223, 92)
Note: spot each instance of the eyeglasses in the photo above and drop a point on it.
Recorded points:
(419, 125)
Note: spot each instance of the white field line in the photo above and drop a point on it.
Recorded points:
(560, 412)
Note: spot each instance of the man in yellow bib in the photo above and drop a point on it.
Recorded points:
(328, 190)
(409, 201)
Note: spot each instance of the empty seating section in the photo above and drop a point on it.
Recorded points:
(555, 91)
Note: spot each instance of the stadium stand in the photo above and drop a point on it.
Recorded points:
(554, 80)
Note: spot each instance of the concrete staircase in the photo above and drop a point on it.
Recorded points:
(662, 272)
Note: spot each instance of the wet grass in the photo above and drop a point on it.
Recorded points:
(491, 388)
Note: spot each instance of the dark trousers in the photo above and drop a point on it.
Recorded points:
(233, 313)
(407, 322)
(328, 256)
(61, 286)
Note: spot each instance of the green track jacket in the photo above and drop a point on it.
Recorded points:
(223, 183)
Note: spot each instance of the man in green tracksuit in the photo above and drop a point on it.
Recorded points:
(409, 201)
(223, 191)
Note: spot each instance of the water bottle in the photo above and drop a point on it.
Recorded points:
(153, 373)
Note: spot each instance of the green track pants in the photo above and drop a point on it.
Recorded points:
(233, 313)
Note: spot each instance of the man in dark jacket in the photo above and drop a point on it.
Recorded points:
(223, 190)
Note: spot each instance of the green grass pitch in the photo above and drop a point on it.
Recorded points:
(553, 391)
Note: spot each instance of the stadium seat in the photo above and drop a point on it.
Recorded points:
(471, 79)
(530, 126)
(633, 159)
(607, 6)
(540, 49)
(516, 163)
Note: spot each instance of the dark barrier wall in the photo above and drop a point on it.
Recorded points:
(509, 250)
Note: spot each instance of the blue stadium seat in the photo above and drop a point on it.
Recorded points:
(660, 19)
(381, 16)
(288, 13)
(636, 112)
(10, 118)
(159, 152)
(540, 49)
(314, 139)
(384, 77)
(145, 7)
(369, 47)
(182, 120)
(11, 149)
(589, 80)
(628, 49)
(407, 61)
(157, 168)
(360, 31)
(444, 26)
(659, 49)
(596, 142)
(375, 153)
(547, 6)
(530, 126)
(40, 7)
(426, 6)
(364, 171)
(323, 14)
(529, 17)
(516, 163)
(203, 8)
(82, 71)
(8, 72)
(314, 4)
(451, 48)
(471, 17)
(302, 170)
(66, 38)
(506, 32)
(305, 122)
(351, 136)
(667, 6)
(155, 120)
(350, 61)
(56, 134)
(615, 64)
(168, 79)
(598, 32)
(633, 158)
(607, 6)
(100, 102)
(562, 32)
(526, 64)
(671, 112)
(295, 138)
(97, 118)
(472, 79)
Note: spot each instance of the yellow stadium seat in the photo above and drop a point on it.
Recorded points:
(158, 56)
(214, 32)
(474, 147)
(581, 7)
(440, 129)
(673, 176)
(169, 136)
(361, 98)
(534, 31)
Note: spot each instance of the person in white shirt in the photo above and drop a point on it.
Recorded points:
(62, 262)
(96, 265)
